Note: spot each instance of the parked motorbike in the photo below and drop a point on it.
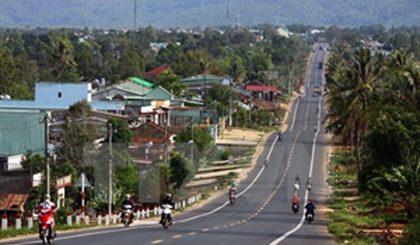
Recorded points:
(47, 225)
(309, 218)
(295, 208)
(166, 222)
(126, 215)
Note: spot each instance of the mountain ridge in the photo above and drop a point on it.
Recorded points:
(190, 13)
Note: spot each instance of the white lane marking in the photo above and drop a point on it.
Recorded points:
(294, 116)
(240, 194)
(157, 225)
(308, 83)
(302, 220)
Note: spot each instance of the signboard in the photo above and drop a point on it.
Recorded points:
(63, 182)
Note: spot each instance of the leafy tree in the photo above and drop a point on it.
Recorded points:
(182, 170)
(77, 136)
(156, 183)
(126, 178)
(35, 162)
(85, 60)
(121, 132)
(193, 63)
(259, 60)
(131, 64)
(7, 70)
(393, 166)
(202, 139)
(171, 82)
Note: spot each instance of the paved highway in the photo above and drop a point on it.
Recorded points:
(262, 214)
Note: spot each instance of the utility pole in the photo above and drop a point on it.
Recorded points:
(135, 21)
(110, 132)
(46, 121)
(165, 146)
(230, 103)
(192, 144)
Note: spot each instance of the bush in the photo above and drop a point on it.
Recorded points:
(61, 215)
(226, 179)
(412, 233)
(225, 155)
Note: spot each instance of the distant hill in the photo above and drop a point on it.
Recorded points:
(190, 13)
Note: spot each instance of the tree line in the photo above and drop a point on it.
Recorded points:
(374, 104)
(74, 55)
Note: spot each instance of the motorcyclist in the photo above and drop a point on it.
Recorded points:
(315, 128)
(280, 134)
(128, 202)
(296, 201)
(47, 207)
(166, 200)
(232, 189)
(310, 208)
(309, 183)
(296, 187)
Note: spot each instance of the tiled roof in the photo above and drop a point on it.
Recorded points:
(157, 71)
(12, 202)
(261, 88)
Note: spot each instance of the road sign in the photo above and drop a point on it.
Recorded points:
(79, 181)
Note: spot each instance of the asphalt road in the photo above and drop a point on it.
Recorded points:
(262, 214)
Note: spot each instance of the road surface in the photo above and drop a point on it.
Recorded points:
(262, 214)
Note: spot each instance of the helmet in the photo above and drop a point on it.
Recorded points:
(309, 200)
(168, 195)
(234, 184)
(128, 196)
(47, 197)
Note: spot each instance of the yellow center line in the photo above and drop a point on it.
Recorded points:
(157, 241)
(232, 224)
(216, 228)
(177, 236)
(205, 230)
(238, 222)
(225, 226)
(192, 233)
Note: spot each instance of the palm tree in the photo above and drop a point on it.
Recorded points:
(350, 98)
(61, 59)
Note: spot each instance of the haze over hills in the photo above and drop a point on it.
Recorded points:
(190, 13)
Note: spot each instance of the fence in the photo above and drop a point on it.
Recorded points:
(102, 218)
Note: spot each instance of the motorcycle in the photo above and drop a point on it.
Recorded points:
(126, 215)
(47, 225)
(232, 199)
(166, 222)
(309, 217)
(295, 208)
(309, 187)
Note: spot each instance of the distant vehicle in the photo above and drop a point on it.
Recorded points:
(320, 48)
(317, 90)
(320, 65)
(315, 94)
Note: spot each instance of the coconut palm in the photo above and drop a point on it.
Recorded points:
(61, 59)
(350, 97)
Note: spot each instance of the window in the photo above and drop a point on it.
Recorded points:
(59, 94)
